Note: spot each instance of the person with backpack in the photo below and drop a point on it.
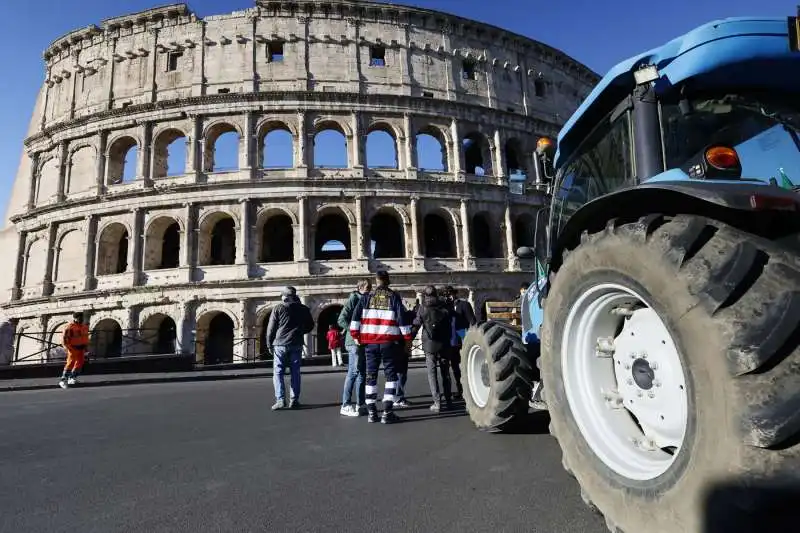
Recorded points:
(334, 339)
(289, 322)
(454, 351)
(356, 359)
(436, 319)
(379, 324)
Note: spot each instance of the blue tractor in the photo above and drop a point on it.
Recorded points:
(662, 329)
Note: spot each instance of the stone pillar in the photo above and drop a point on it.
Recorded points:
(63, 165)
(524, 83)
(309, 350)
(244, 244)
(357, 237)
(499, 162)
(300, 230)
(357, 163)
(154, 65)
(513, 260)
(247, 159)
(467, 245)
(198, 78)
(193, 165)
(90, 234)
(16, 290)
(301, 156)
(129, 332)
(244, 348)
(187, 239)
(100, 163)
(109, 88)
(409, 145)
(455, 168)
(143, 155)
(405, 60)
(34, 180)
(184, 340)
(47, 284)
(414, 214)
(135, 247)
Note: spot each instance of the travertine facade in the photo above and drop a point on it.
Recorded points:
(207, 250)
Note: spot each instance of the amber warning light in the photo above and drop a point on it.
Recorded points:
(722, 158)
(544, 144)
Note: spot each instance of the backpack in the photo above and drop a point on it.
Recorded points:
(437, 322)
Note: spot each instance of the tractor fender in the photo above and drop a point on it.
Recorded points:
(726, 202)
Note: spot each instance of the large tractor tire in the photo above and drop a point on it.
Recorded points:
(497, 376)
(672, 371)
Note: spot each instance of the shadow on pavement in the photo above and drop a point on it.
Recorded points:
(535, 423)
(749, 505)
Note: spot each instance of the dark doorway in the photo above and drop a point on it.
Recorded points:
(328, 316)
(171, 246)
(387, 237)
(438, 239)
(277, 240)
(219, 340)
(165, 337)
(332, 240)
(223, 242)
(482, 237)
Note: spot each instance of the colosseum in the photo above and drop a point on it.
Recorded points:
(174, 177)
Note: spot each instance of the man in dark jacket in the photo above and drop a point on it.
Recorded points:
(434, 317)
(463, 318)
(289, 322)
(356, 360)
(379, 324)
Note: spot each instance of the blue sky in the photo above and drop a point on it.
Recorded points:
(598, 33)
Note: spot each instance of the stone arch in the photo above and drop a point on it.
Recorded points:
(217, 243)
(158, 335)
(112, 249)
(162, 243)
(262, 321)
(331, 135)
(55, 350)
(82, 172)
(431, 148)
(380, 137)
(477, 153)
(274, 131)
(275, 230)
(387, 234)
(122, 159)
(49, 175)
(327, 315)
(164, 143)
(216, 330)
(483, 239)
(35, 263)
(212, 135)
(326, 209)
(514, 158)
(70, 257)
(106, 338)
(332, 238)
(524, 230)
(439, 235)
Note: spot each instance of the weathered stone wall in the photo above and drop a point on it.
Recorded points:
(209, 248)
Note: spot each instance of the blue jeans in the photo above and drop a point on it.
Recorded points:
(356, 371)
(292, 355)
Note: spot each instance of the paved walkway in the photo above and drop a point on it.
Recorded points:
(101, 380)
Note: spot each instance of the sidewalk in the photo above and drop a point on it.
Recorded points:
(103, 380)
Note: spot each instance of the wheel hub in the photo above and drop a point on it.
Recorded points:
(478, 378)
(643, 374)
(624, 381)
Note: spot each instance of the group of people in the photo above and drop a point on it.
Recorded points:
(378, 333)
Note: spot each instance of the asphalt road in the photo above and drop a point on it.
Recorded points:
(211, 456)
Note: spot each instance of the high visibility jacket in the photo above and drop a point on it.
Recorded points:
(76, 337)
(380, 318)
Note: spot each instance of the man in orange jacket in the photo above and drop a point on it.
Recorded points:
(76, 341)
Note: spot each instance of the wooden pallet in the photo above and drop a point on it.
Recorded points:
(508, 312)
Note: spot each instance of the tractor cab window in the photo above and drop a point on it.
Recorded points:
(762, 129)
(602, 165)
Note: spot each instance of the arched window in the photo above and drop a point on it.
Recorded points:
(332, 237)
(438, 237)
(381, 150)
(330, 148)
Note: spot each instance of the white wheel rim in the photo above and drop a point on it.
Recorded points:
(478, 376)
(618, 370)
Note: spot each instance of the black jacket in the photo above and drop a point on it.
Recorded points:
(465, 316)
(288, 323)
(433, 311)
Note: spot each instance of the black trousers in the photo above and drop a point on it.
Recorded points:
(387, 354)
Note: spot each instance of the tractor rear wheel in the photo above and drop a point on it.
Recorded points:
(497, 376)
(671, 367)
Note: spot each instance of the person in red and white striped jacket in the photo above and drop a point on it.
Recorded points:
(379, 323)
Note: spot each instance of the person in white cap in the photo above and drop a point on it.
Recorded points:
(289, 322)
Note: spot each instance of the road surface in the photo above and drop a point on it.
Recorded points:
(211, 456)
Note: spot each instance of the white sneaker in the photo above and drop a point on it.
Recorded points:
(348, 410)
(62, 384)
(71, 381)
